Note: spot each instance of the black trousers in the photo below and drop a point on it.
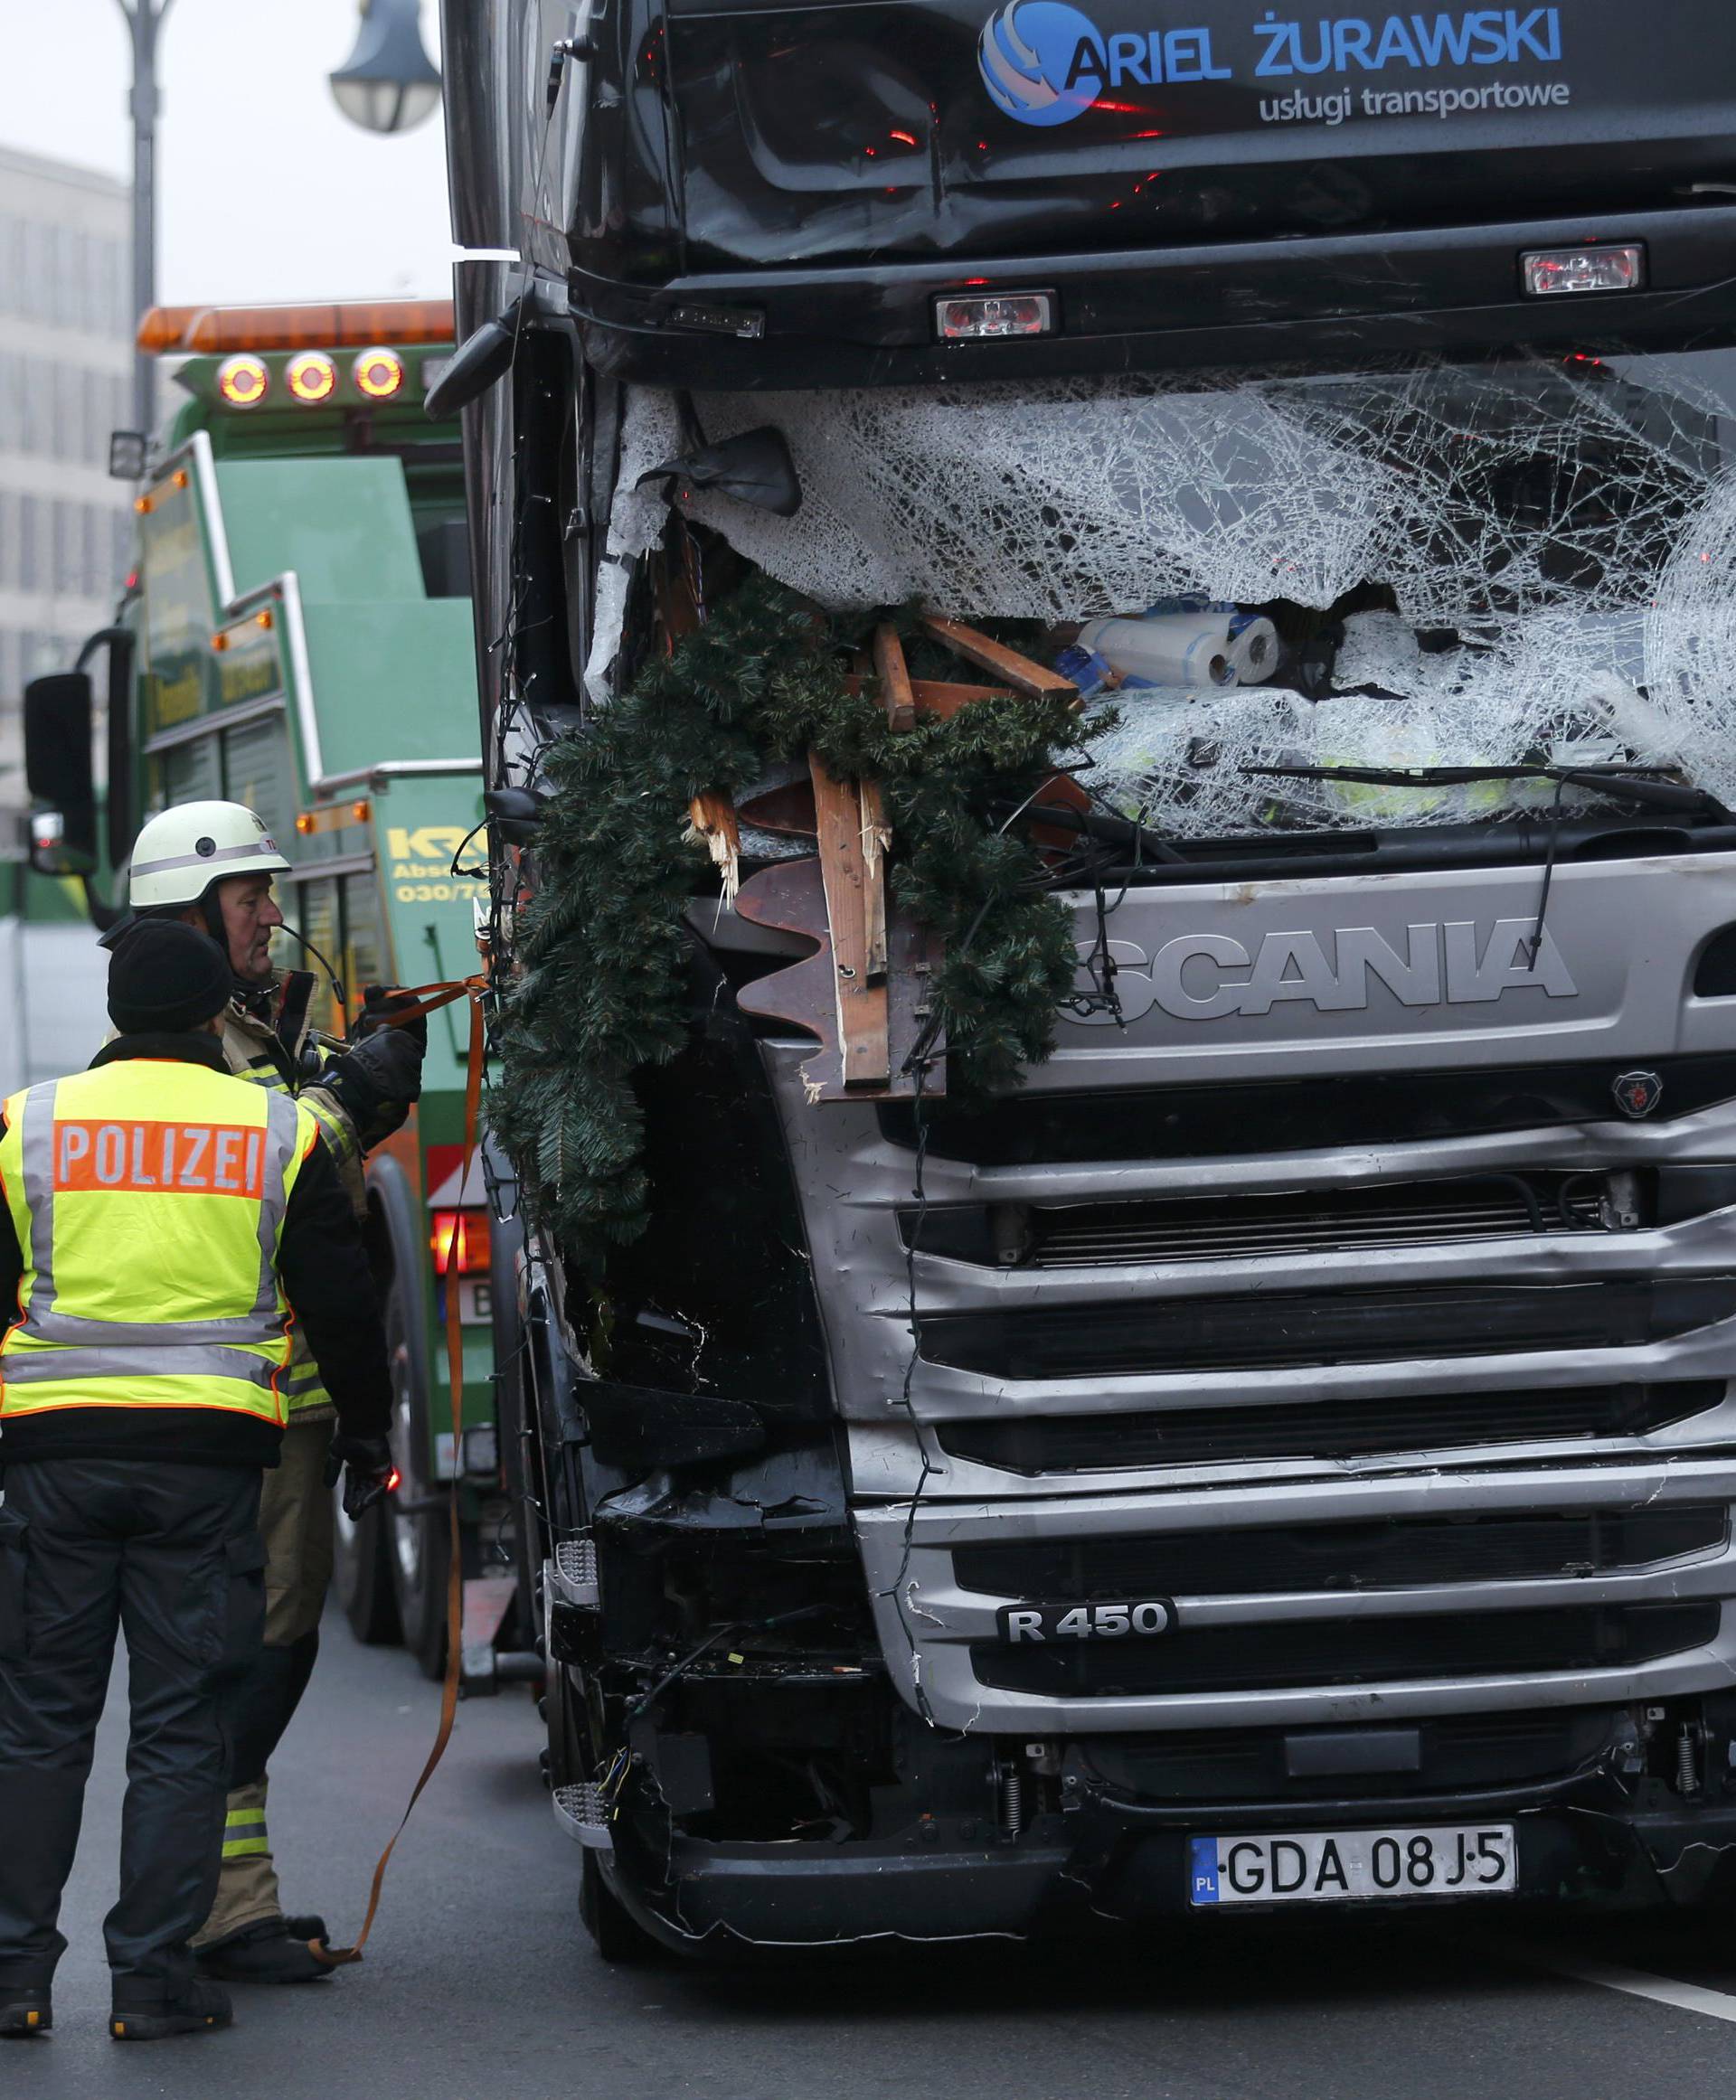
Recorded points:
(170, 1555)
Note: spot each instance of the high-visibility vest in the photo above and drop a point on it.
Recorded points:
(148, 1197)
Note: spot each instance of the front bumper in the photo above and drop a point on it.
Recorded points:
(1111, 1864)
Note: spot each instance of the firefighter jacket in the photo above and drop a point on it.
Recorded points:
(268, 1040)
(156, 1231)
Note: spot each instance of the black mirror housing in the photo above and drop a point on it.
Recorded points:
(60, 774)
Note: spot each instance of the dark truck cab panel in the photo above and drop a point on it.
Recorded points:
(777, 196)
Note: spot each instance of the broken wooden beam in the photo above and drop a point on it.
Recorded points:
(1024, 675)
(863, 1045)
(894, 676)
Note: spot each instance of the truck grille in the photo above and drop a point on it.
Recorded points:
(1039, 1443)
(1353, 1556)
(1295, 1221)
(1359, 1112)
(1457, 1751)
(1249, 1333)
(1356, 1651)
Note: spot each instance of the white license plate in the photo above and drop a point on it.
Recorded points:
(1352, 1866)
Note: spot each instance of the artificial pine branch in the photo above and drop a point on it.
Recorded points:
(602, 991)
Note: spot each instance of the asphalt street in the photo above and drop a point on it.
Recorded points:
(479, 1985)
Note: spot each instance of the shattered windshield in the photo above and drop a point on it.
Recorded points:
(1493, 564)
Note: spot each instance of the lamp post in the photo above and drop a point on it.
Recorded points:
(387, 83)
(144, 20)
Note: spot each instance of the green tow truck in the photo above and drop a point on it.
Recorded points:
(297, 635)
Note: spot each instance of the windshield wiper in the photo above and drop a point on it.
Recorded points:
(1620, 782)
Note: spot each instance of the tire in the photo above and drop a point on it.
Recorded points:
(362, 1577)
(618, 1935)
(419, 1538)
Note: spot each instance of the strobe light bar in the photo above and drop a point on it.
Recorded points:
(980, 317)
(1554, 273)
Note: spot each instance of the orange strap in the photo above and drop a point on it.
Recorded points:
(410, 1003)
(432, 996)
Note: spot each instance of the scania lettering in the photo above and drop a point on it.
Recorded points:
(1271, 1440)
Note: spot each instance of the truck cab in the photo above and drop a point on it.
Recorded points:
(1276, 1444)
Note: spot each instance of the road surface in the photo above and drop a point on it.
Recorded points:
(480, 1986)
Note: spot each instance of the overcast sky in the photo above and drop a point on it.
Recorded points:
(264, 190)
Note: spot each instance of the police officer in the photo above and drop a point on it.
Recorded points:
(161, 1219)
(211, 864)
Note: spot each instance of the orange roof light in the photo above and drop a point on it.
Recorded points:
(163, 328)
(311, 376)
(243, 381)
(378, 373)
(217, 330)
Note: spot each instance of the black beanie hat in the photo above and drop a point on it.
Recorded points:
(166, 977)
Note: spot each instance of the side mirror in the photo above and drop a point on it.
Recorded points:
(484, 356)
(59, 775)
(754, 467)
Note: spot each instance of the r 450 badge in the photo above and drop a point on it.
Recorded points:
(1143, 1620)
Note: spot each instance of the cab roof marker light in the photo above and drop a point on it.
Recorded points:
(378, 374)
(978, 316)
(311, 377)
(243, 381)
(1554, 273)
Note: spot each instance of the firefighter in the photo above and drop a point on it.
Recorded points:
(160, 1219)
(211, 864)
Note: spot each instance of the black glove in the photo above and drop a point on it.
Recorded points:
(379, 1004)
(383, 1071)
(365, 1463)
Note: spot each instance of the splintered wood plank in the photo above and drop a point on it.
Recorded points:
(877, 836)
(894, 675)
(937, 696)
(1035, 680)
(863, 1019)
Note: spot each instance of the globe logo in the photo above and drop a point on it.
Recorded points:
(1026, 55)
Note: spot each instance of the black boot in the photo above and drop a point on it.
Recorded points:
(24, 2012)
(264, 1954)
(205, 2006)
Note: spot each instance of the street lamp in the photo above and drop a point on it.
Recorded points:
(389, 83)
(143, 19)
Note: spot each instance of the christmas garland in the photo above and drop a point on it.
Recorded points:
(602, 991)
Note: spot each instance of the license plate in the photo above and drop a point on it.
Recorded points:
(1139, 1619)
(475, 1302)
(1352, 1866)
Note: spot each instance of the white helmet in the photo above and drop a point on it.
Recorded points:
(179, 855)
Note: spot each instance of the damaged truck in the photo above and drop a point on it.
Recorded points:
(1110, 707)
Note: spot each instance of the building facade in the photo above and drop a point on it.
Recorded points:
(65, 382)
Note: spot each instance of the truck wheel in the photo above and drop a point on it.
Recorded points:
(620, 1939)
(362, 1577)
(419, 1543)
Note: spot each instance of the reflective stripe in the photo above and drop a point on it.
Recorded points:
(43, 1366)
(244, 1818)
(332, 1126)
(38, 1146)
(294, 1383)
(245, 1847)
(281, 1125)
(258, 851)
